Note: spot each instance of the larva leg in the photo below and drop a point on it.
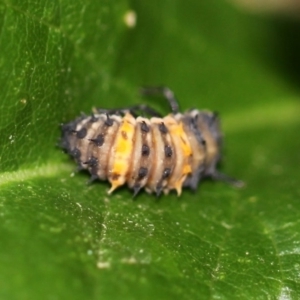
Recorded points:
(145, 109)
(164, 91)
(225, 178)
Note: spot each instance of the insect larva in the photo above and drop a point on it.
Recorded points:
(157, 153)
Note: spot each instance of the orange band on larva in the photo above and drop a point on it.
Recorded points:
(187, 151)
(184, 152)
(121, 153)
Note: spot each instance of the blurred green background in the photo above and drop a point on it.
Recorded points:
(62, 239)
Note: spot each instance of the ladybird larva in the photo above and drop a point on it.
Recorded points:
(159, 153)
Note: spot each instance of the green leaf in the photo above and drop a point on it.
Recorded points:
(63, 239)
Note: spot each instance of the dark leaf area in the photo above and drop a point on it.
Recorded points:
(63, 239)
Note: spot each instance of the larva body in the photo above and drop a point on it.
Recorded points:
(157, 153)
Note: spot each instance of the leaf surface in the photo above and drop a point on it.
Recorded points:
(63, 239)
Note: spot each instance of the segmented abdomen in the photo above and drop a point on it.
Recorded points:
(158, 154)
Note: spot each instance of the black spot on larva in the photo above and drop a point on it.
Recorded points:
(168, 151)
(145, 150)
(203, 142)
(76, 153)
(142, 173)
(144, 127)
(162, 128)
(166, 173)
(109, 121)
(124, 135)
(92, 162)
(99, 140)
(81, 133)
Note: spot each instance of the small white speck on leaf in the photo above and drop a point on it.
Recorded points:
(78, 204)
(103, 264)
(131, 260)
(130, 18)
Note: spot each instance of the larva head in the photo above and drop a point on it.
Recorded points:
(69, 137)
